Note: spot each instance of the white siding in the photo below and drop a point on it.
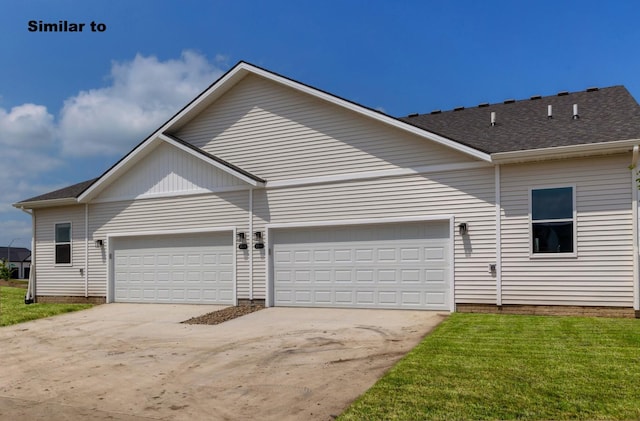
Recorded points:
(60, 280)
(468, 195)
(602, 272)
(168, 170)
(278, 133)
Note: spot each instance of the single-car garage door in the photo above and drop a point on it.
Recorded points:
(194, 269)
(397, 265)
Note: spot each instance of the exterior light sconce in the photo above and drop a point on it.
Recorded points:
(463, 228)
(99, 244)
(258, 239)
(242, 241)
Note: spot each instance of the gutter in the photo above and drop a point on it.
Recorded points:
(29, 297)
(557, 152)
(634, 224)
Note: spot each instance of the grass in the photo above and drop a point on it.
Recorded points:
(13, 309)
(498, 367)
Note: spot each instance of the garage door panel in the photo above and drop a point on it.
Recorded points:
(386, 266)
(195, 268)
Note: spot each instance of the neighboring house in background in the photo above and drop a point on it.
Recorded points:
(266, 189)
(19, 260)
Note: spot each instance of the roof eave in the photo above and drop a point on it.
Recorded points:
(46, 203)
(559, 152)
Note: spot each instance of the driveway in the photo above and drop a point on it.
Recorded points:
(136, 361)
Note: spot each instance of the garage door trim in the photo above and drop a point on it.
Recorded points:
(270, 299)
(115, 236)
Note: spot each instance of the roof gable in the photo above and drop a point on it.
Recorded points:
(145, 148)
(242, 69)
(169, 171)
(283, 134)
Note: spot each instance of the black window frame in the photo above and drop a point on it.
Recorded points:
(552, 235)
(62, 246)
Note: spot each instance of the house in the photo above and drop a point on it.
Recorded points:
(266, 189)
(18, 259)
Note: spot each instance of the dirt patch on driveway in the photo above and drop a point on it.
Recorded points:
(219, 316)
(133, 362)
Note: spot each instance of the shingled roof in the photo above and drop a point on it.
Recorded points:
(64, 193)
(605, 115)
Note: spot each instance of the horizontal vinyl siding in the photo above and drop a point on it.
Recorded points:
(468, 195)
(602, 272)
(194, 212)
(278, 133)
(59, 280)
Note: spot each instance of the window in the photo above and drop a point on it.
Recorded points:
(552, 220)
(63, 243)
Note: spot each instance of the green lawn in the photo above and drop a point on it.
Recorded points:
(494, 367)
(13, 309)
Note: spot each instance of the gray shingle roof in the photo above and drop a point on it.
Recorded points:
(17, 254)
(64, 193)
(606, 115)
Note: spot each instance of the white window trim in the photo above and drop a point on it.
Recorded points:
(55, 243)
(574, 219)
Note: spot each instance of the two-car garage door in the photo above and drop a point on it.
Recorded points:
(396, 265)
(194, 269)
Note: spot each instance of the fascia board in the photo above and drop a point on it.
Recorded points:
(210, 161)
(564, 151)
(46, 203)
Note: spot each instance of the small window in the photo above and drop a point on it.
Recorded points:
(552, 220)
(63, 243)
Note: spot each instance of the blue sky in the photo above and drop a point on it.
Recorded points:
(72, 104)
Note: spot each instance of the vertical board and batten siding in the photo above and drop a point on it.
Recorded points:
(602, 272)
(169, 170)
(279, 133)
(468, 195)
(60, 280)
(204, 212)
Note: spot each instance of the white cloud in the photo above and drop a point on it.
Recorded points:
(27, 150)
(143, 94)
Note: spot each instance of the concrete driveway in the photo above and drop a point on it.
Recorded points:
(136, 361)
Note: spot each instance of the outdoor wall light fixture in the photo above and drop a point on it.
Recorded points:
(99, 243)
(242, 241)
(258, 239)
(463, 228)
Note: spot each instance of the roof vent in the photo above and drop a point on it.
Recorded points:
(575, 112)
(509, 101)
(484, 104)
(549, 111)
(458, 109)
(563, 93)
(414, 115)
(493, 118)
(592, 89)
(436, 111)
(536, 97)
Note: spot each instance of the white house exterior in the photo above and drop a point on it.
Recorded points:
(352, 208)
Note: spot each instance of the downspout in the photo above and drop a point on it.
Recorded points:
(634, 212)
(86, 250)
(30, 295)
(250, 245)
(498, 238)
